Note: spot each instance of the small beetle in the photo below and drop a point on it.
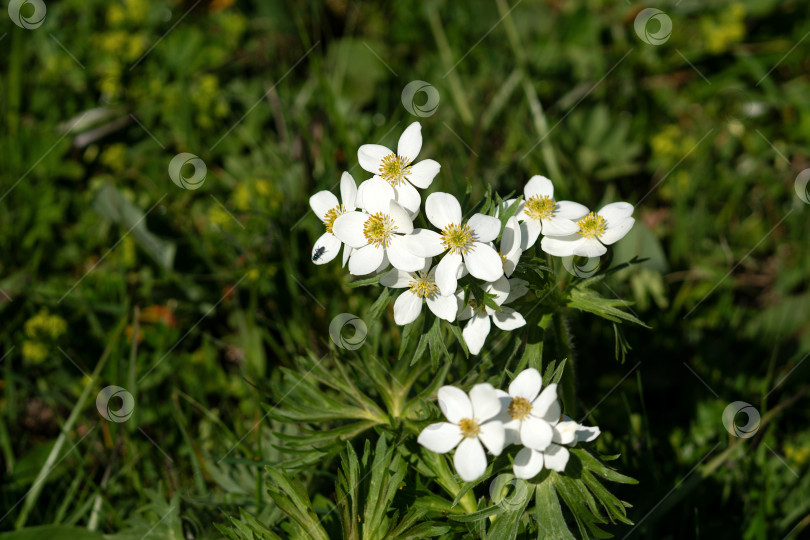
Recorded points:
(318, 253)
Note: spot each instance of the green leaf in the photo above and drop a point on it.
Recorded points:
(548, 513)
(607, 308)
(52, 532)
(379, 305)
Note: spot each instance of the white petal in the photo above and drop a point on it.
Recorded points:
(557, 226)
(383, 264)
(370, 156)
(511, 262)
(555, 457)
(424, 243)
(587, 433)
(528, 463)
(423, 173)
(590, 247)
(511, 427)
(440, 437)
(322, 202)
(348, 228)
(407, 308)
(444, 307)
(347, 252)
(616, 231)
(493, 436)
(442, 209)
(485, 402)
(527, 384)
(552, 414)
(348, 191)
(358, 199)
(454, 403)
(475, 333)
(331, 247)
(366, 260)
(500, 288)
(517, 288)
(396, 279)
(544, 401)
(465, 311)
(400, 218)
(616, 211)
(570, 210)
(529, 231)
(510, 239)
(508, 319)
(483, 262)
(410, 142)
(377, 195)
(565, 432)
(538, 186)
(401, 258)
(486, 228)
(535, 433)
(561, 246)
(408, 198)
(447, 273)
(470, 460)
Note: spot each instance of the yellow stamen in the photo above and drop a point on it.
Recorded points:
(331, 216)
(394, 168)
(469, 428)
(424, 285)
(378, 229)
(539, 207)
(519, 408)
(458, 238)
(592, 226)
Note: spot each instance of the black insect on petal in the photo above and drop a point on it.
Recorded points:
(318, 253)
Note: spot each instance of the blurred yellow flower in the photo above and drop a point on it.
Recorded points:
(45, 326)
(34, 352)
(726, 30)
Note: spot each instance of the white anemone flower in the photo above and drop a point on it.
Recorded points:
(377, 234)
(529, 414)
(422, 289)
(399, 169)
(471, 421)
(465, 243)
(541, 213)
(528, 462)
(510, 251)
(328, 208)
(593, 232)
(481, 316)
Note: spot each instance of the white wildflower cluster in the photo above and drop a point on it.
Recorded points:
(374, 223)
(494, 419)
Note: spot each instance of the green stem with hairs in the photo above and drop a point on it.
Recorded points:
(568, 381)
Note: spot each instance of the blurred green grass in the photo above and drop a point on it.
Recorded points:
(706, 133)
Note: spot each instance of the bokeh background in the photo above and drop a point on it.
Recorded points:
(191, 299)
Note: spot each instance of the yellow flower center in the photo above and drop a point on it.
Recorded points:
(540, 207)
(458, 238)
(378, 229)
(331, 216)
(394, 168)
(469, 428)
(519, 408)
(424, 285)
(592, 226)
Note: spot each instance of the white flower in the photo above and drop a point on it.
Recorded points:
(377, 234)
(398, 169)
(527, 413)
(327, 208)
(464, 242)
(471, 421)
(594, 231)
(540, 212)
(422, 288)
(528, 462)
(510, 246)
(477, 329)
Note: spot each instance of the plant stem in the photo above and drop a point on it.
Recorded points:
(564, 347)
